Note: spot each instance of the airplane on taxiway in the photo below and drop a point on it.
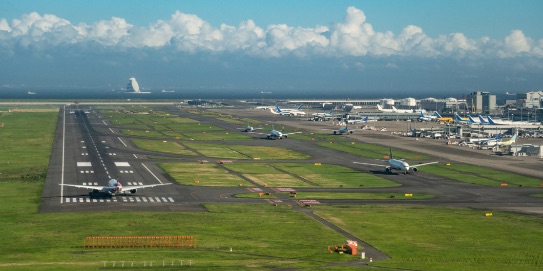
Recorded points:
(114, 187)
(397, 164)
(290, 112)
(275, 134)
(249, 129)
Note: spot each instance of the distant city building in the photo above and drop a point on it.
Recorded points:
(530, 100)
(432, 104)
(132, 85)
(481, 102)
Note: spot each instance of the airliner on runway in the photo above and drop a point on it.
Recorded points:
(114, 187)
(395, 164)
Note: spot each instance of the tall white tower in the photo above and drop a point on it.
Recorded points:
(132, 85)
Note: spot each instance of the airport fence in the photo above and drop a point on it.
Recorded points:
(139, 241)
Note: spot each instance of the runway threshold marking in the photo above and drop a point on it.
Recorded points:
(124, 199)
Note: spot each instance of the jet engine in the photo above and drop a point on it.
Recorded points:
(414, 169)
(133, 191)
(388, 170)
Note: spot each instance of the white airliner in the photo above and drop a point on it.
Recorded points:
(326, 114)
(343, 130)
(114, 187)
(395, 164)
(424, 117)
(274, 134)
(396, 110)
(249, 128)
(290, 112)
(355, 121)
(502, 143)
(384, 110)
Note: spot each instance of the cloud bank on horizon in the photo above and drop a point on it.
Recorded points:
(347, 54)
(354, 36)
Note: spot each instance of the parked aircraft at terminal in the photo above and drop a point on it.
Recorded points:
(290, 112)
(402, 111)
(424, 117)
(459, 119)
(380, 108)
(502, 143)
(114, 187)
(396, 164)
(440, 118)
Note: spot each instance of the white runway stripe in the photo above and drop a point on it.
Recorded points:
(122, 199)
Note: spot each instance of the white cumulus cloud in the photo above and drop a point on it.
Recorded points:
(353, 36)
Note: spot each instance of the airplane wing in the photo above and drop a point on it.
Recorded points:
(424, 164)
(125, 187)
(292, 133)
(368, 164)
(97, 187)
(130, 187)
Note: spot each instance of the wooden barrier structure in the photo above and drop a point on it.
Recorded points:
(138, 241)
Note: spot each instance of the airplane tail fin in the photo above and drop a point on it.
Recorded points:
(499, 136)
(379, 107)
(278, 109)
(299, 107)
(471, 119)
(366, 119)
(490, 120)
(390, 156)
(437, 114)
(457, 117)
(482, 119)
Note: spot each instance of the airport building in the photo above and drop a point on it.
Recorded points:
(529, 100)
(482, 102)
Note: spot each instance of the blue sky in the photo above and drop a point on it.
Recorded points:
(365, 46)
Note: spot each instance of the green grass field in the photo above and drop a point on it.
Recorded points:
(205, 174)
(25, 158)
(307, 175)
(371, 150)
(162, 146)
(481, 176)
(245, 152)
(426, 238)
(362, 195)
